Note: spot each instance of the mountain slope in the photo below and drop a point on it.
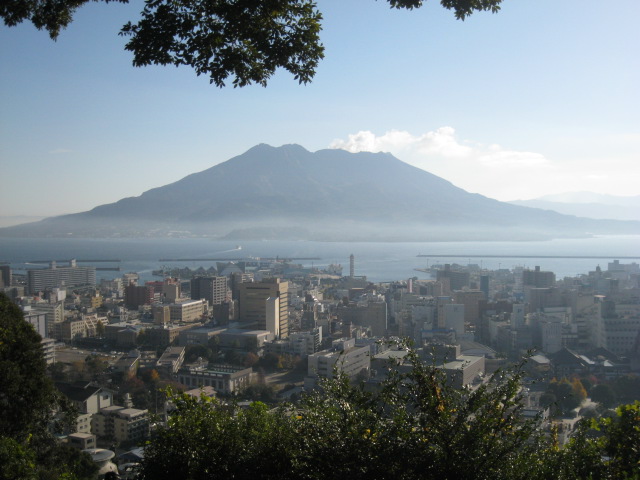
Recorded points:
(330, 194)
(588, 204)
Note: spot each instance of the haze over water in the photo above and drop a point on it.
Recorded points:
(380, 262)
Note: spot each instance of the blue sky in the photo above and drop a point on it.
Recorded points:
(540, 98)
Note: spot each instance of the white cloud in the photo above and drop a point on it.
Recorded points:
(439, 142)
(488, 169)
(497, 157)
(506, 174)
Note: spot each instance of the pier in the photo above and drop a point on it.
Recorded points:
(577, 257)
(261, 259)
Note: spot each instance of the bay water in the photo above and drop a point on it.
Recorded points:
(378, 261)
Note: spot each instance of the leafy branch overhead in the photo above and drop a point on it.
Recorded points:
(244, 41)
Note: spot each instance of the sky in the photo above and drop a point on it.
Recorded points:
(540, 98)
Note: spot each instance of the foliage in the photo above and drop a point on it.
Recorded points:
(260, 392)
(96, 365)
(569, 395)
(604, 395)
(242, 40)
(31, 408)
(606, 448)
(27, 396)
(16, 461)
(415, 426)
(205, 439)
(250, 359)
(627, 387)
(193, 352)
(621, 440)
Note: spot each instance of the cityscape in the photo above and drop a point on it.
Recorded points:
(270, 330)
(296, 239)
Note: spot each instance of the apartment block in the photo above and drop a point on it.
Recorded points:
(39, 280)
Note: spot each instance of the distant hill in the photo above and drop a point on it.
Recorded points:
(10, 220)
(289, 192)
(588, 204)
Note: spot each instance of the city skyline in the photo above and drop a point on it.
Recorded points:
(540, 98)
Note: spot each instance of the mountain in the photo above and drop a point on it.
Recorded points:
(289, 192)
(588, 204)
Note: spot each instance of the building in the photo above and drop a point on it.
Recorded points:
(38, 320)
(5, 276)
(253, 303)
(161, 314)
(188, 311)
(463, 370)
(457, 279)
(165, 335)
(471, 300)
(344, 356)
(454, 318)
(88, 400)
(372, 315)
(244, 340)
(537, 278)
(225, 379)
(71, 329)
(122, 424)
(81, 441)
(198, 335)
(134, 296)
(305, 343)
(213, 289)
(54, 312)
(49, 350)
(172, 359)
(55, 277)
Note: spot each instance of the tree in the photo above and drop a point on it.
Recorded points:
(416, 426)
(31, 407)
(604, 395)
(242, 40)
(205, 438)
(27, 396)
(100, 329)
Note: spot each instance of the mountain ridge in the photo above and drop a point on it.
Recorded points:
(329, 194)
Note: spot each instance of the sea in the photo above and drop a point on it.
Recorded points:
(378, 261)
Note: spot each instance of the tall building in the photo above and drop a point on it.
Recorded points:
(236, 279)
(134, 296)
(352, 266)
(372, 315)
(55, 276)
(484, 286)
(457, 279)
(471, 300)
(537, 278)
(213, 289)
(253, 303)
(5, 276)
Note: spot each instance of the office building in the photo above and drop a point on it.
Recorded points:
(537, 278)
(135, 296)
(5, 276)
(253, 304)
(213, 289)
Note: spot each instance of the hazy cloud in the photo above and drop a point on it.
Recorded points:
(439, 142)
(474, 166)
(58, 151)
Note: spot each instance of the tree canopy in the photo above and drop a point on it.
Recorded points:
(416, 425)
(244, 41)
(31, 407)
